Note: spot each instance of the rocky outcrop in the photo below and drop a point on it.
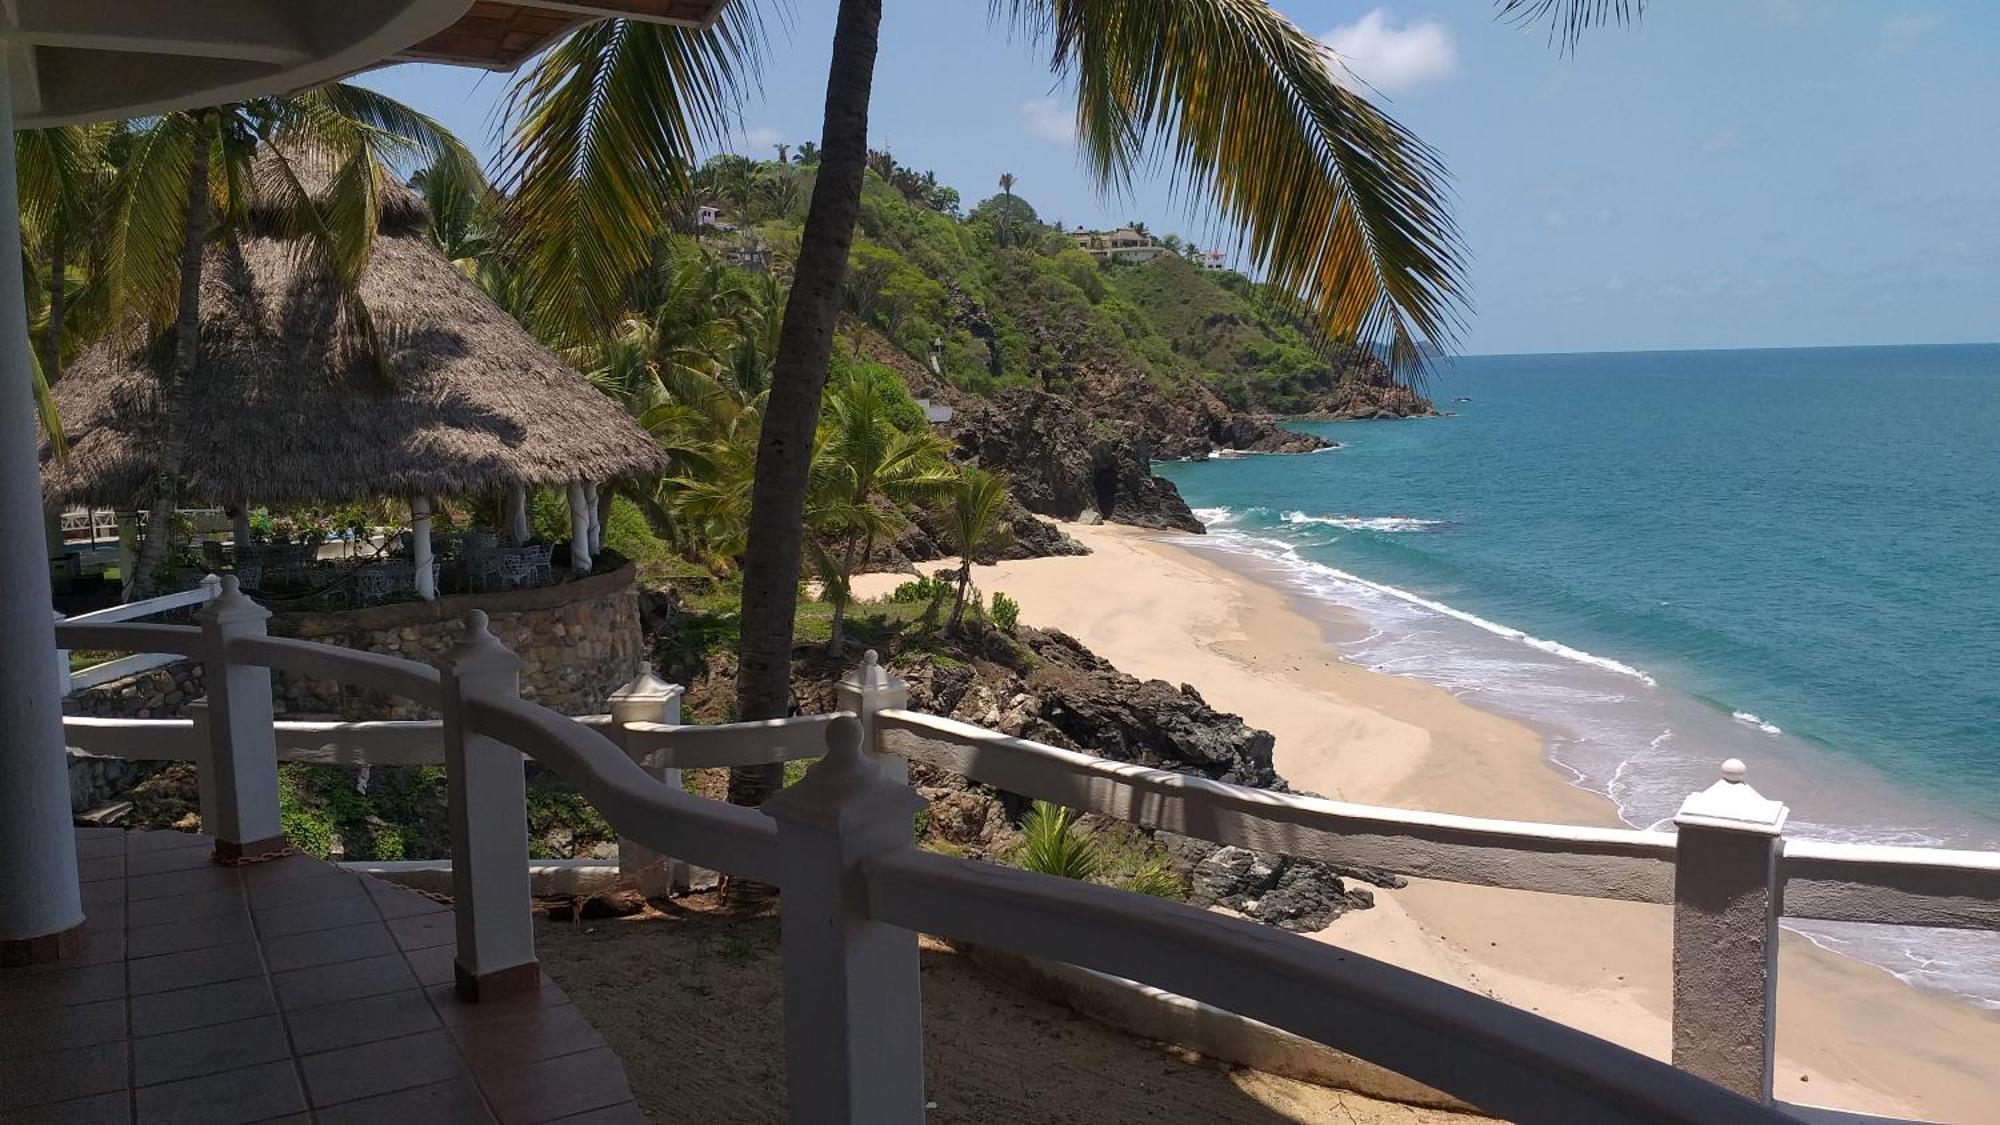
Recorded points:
(1365, 389)
(1188, 422)
(1065, 463)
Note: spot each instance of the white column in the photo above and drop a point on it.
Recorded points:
(518, 531)
(647, 699)
(240, 527)
(866, 689)
(420, 547)
(39, 901)
(590, 497)
(486, 782)
(1726, 906)
(242, 749)
(579, 526)
(854, 1047)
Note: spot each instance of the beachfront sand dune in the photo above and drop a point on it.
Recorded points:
(1849, 1035)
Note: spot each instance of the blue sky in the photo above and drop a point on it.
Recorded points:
(1729, 173)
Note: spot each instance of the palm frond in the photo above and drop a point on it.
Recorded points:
(45, 406)
(1336, 203)
(602, 131)
(1569, 19)
(138, 256)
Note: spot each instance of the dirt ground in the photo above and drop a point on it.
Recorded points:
(690, 998)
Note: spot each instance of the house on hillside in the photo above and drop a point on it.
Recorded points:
(1124, 245)
(709, 217)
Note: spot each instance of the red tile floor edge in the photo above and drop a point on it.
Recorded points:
(284, 991)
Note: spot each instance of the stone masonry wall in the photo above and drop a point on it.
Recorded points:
(578, 642)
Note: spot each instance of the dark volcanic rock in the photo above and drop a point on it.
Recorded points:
(1366, 389)
(1065, 464)
(1187, 423)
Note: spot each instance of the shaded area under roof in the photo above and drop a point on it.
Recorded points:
(499, 34)
(283, 411)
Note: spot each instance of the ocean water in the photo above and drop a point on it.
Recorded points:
(1665, 559)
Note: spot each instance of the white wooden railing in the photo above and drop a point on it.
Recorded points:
(856, 891)
(74, 681)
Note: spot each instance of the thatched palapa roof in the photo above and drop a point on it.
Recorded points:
(284, 410)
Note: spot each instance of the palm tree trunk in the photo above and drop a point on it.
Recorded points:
(187, 348)
(52, 338)
(958, 604)
(805, 345)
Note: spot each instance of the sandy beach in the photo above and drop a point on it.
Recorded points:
(1849, 1035)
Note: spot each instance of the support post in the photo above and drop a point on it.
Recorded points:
(420, 547)
(1727, 899)
(647, 699)
(853, 1016)
(128, 552)
(592, 501)
(242, 746)
(579, 527)
(41, 909)
(486, 781)
(63, 677)
(518, 531)
(865, 690)
(239, 528)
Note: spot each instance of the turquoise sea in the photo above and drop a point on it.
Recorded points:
(1665, 559)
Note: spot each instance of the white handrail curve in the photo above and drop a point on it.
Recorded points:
(1891, 885)
(761, 742)
(129, 636)
(1502, 1059)
(712, 834)
(393, 675)
(1614, 863)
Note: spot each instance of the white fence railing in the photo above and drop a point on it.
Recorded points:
(98, 674)
(856, 890)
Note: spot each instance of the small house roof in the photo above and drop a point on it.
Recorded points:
(283, 410)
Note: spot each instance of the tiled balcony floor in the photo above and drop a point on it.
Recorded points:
(285, 991)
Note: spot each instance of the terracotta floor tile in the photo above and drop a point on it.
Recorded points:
(296, 866)
(94, 847)
(433, 966)
(59, 1029)
(445, 1103)
(105, 917)
(163, 839)
(60, 1076)
(454, 1010)
(555, 1088)
(195, 967)
(233, 1097)
(302, 917)
(195, 880)
(325, 947)
(511, 1041)
(625, 1113)
(208, 1050)
(103, 867)
(422, 931)
(177, 937)
(161, 1012)
(368, 1069)
(23, 990)
(346, 980)
(168, 859)
(400, 902)
(107, 892)
(181, 908)
(316, 888)
(103, 943)
(389, 1016)
(104, 1109)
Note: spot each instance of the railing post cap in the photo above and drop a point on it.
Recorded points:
(1730, 804)
(870, 676)
(478, 650)
(231, 606)
(646, 688)
(846, 790)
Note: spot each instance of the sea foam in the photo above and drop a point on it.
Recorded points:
(1367, 523)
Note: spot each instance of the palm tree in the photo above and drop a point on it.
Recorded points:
(1336, 203)
(1007, 182)
(978, 501)
(191, 176)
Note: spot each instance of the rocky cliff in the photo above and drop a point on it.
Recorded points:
(1365, 390)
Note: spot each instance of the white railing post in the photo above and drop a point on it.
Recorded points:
(853, 1017)
(1727, 898)
(580, 510)
(62, 660)
(242, 764)
(865, 690)
(486, 782)
(647, 699)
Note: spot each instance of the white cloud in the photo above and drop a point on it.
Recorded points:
(1723, 140)
(761, 138)
(1376, 51)
(1900, 33)
(1050, 119)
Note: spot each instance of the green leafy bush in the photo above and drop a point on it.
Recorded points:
(1054, 844)
(1006, 612)
(919, 590)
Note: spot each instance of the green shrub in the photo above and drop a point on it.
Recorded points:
(1156, 878)
(921, 590)
(1006, 612)
(1054, 844)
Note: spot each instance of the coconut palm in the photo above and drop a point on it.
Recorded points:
(312, 163)
(1335, 203)
(1007, 183)
(62, 176)
(974, 511)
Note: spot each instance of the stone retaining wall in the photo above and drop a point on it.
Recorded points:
(578, 642)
